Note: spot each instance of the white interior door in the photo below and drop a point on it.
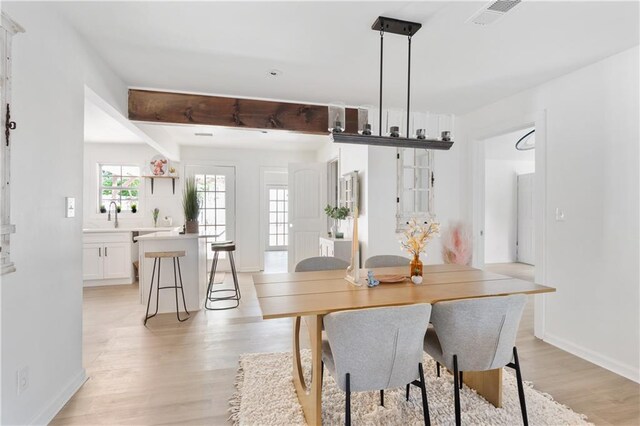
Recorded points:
(526, 236)
(307, 198)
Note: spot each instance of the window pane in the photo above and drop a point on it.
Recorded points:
(272, 194)
(220, 217)
(272, 240)
(273, 206)
(407, 178)
(281, 205)
(199, 182)
(220, 183)
(210, 217)
(407, 202)
(286, 195)
(111, 170)
(286, 240)
(280, 217)
(273, 217)
(210, 200)
(220, 200)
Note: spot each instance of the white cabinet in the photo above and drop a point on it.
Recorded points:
(117, 260)
(335, 247)
(92, 261)
(106, 259)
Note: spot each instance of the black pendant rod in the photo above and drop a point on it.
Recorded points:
(409, 87)
(380, 102)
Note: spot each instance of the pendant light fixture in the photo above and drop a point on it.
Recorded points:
(408, 29)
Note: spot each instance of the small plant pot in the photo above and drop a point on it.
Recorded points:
(191, 227)
(134, 210)
(339, 235)
(103, 210)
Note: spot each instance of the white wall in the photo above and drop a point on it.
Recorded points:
(42, 301)
(503, 164)
(248, 166)
(592, 163)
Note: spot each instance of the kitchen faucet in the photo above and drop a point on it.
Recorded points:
(109, 213)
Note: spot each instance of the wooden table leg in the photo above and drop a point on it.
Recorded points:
(488, 384)
(310, 397)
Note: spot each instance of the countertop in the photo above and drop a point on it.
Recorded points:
(134, 229)
(170, 235)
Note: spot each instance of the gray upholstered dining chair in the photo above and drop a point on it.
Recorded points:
(376, 349)
(476, 335)
(385, 260)
(321, 263)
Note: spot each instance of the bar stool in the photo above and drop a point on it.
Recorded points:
(228, 247)
(157, 257)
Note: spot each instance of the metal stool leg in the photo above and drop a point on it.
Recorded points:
(146, 315)
(235, 296)
(184, 302)
(235, 275)
(175, 287)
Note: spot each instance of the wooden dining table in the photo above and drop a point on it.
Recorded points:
(308, 296)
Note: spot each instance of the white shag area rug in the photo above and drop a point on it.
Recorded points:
(266, 396)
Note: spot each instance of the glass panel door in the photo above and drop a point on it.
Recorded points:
(215, 187)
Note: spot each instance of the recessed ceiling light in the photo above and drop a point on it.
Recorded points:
(203, 134)
(274, 72)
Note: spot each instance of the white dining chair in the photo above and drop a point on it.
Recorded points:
(321, 263)
(386, 260)
(477, 335)
(376, 349)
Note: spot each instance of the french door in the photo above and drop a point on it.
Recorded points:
(278, 217)
(215, 187)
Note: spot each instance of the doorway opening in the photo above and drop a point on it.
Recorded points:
(509, 225)
(275, 217)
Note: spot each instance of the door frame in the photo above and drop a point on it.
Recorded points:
(477, 138)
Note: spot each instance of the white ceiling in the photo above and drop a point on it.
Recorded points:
(225, 137)
(328, 53)
(101, 127)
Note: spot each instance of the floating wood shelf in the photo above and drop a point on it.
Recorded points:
(173, 180)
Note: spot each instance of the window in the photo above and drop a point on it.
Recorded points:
(350, 191)
(211, 189)
(8, 29)
(415, 186)
(119, 184)
(278, 217)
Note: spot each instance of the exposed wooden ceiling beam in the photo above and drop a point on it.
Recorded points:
(184, 108)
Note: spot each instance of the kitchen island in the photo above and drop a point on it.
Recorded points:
(193, 267)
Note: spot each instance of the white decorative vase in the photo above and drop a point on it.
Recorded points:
(416, 279)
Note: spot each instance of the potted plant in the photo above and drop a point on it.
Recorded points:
(103, 209)
(134, 208)
(414, 240)
(191, 206)
(336, 213)
(118, 209)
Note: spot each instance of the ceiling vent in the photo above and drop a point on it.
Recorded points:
(493, 11)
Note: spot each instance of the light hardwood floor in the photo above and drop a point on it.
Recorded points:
(183, 373)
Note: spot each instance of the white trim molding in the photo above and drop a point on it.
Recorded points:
(45, 416)
(600, 360)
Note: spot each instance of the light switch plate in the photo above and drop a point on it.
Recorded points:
(70, 203)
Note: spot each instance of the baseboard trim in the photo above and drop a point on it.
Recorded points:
(46, 416)
(594, 357)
